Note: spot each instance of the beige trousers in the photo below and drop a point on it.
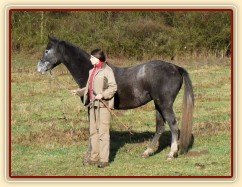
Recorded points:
(99, 134)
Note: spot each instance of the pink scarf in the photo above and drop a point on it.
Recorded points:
(96, 68)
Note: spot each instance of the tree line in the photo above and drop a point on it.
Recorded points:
(128, 34)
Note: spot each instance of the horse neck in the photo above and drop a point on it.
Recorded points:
(78, 65)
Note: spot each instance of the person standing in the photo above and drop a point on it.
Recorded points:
(101, 87)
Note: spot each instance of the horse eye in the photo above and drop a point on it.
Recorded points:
(46, 51)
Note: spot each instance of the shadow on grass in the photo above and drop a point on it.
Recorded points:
(119, 139)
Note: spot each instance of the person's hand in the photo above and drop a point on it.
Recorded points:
(74, 92)
(79, 91)
(99, 96)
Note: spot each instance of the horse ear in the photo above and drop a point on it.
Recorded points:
(52, 39)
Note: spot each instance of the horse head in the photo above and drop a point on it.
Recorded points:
(52, 56)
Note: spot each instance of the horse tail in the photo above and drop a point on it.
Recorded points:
(187, 113)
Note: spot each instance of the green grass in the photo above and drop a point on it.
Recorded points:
(50, 130)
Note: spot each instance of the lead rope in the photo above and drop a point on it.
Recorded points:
(63, 88)
(110, 110)
(128, 128)
(59, 85)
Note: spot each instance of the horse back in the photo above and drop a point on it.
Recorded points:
(140, 84)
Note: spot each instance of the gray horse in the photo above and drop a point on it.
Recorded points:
(156, 80)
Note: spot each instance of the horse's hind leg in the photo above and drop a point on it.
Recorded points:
(160, 128)
(171, 119)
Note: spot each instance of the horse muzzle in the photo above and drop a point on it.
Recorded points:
(42, 67)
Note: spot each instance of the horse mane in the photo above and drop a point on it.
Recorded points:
(74, 51)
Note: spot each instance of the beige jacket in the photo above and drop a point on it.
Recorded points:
(103, 83)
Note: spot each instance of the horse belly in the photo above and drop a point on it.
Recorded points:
(134, 99)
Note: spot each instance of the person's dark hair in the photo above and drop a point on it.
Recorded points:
(98, 53)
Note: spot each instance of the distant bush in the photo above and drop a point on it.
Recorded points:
(130, 34)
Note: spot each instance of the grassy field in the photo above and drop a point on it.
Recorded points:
(49, 128)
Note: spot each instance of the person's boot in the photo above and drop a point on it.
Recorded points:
(102, 164)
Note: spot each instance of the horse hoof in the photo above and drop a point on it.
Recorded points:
(172, 155)
(145, 156)
(168, 157)
(175, 155)
(147, 153)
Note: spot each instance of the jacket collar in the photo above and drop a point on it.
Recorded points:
(103, 67)
(99, 65)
